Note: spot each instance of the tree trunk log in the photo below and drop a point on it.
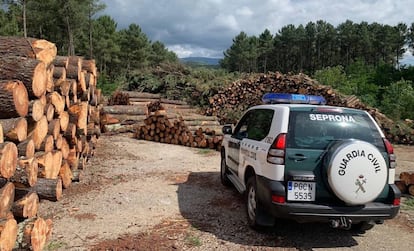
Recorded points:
(26, 172)
(31, 72)
(48, 144)
(14, 100)
(1, 134)
(14, 129)
(125, 109)
(38, 131)
(8, 159)
(26, 148)
(36, 109)
(58, 101)
(34, 234)
(48, 189)
(65, 174)
(27, 206)
(8, 233)
(6, 198)
(40, 49)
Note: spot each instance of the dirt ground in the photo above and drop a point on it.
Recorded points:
(139, 195)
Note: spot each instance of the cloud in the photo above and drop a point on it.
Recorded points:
(206, 28)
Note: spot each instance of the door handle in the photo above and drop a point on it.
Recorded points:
(297, 157)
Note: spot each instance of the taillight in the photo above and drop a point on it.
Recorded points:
(276, 154)
(396, 202)
(391, 155)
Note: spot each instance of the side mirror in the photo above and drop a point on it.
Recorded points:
(227, 129)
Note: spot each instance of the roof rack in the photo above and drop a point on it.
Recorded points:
(287, 98)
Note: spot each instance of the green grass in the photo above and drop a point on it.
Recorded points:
(55, 245)
(408, 204)
(204, 151)
(192, 240)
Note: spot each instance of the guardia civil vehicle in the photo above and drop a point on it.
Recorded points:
(295, 157)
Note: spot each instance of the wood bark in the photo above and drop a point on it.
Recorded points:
(14, 129)
(31, 72)
(48, 189)
(26, 172)
(8, 159)
(61, 61)
(14, 100)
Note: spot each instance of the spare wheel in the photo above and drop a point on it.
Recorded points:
(357, 171)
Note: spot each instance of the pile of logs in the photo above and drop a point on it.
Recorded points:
(248, 92)
(49, 124)
(159, 128)
(406, 183)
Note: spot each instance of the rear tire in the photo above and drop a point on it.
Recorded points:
(224, 171)
(257, 217)
(362, 227)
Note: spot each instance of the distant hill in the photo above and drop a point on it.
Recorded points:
(201, 61)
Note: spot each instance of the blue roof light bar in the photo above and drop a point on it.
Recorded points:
(287, 98)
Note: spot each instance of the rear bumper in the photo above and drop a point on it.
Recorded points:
(312, 212)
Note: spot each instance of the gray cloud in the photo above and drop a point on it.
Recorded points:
(207, 27)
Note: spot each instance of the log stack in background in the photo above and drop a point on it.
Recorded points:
(49, 125)
(406, 183)
(244, 93)
(153, 118)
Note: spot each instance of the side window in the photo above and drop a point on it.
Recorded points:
(255, 125)
(240, 132)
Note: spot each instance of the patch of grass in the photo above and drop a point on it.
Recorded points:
(204, 151)
(408, 204)
(55, 245)
(193, 241)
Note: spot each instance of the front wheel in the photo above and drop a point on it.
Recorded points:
(224, 171)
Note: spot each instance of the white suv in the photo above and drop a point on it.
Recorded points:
(295, 157)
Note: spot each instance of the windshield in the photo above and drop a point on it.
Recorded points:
(316, 130)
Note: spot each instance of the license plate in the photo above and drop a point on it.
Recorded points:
(301, 191)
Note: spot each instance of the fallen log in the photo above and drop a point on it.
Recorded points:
(14, 100)
(142, 95)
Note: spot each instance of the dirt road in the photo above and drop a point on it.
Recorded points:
(139, 195)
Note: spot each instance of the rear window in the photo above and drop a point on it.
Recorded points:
(316, 130)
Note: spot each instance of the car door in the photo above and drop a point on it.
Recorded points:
(239, 133)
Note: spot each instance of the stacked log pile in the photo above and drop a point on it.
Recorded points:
(159, 128)
(49, 123)
(406, 183)
(154, 118)
(248, 92)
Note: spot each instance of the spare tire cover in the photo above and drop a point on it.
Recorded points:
(357, 171)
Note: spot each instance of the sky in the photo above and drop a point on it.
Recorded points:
(205, 28)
